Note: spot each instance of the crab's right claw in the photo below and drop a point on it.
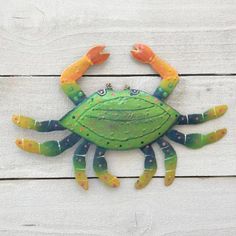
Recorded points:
(143, 53)
(96, 54)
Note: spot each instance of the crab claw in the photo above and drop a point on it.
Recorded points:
(96, 54)
(142, 53)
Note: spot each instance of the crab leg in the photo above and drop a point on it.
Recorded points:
(80, 164)
(49, 148)
(170, 160)
(75, 71)
(168, 74)
(30, 123)
(196, 140)
(100, 168)
(211, 114)
(150, 167)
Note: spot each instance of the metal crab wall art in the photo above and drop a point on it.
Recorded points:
(120, 120)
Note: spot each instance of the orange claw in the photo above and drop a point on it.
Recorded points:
(96, 54)
(142, 53)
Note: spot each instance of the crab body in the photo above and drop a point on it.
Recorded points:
(120, 120)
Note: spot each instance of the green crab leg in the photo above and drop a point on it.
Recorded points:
(196, 140)
(49, 148)
(100, 168)
(150, 167)
(75, 71)
(43, 126)
(211, 114)
(169, 75)
(80, 164)
(170, 160)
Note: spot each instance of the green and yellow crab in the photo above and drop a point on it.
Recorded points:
(120, 120)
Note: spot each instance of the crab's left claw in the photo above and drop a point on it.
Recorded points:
(96, 54)
(142, 53)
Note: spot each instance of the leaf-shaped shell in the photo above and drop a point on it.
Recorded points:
(120, 119)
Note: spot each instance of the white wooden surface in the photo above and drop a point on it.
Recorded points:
(191, 207)
(41, 38)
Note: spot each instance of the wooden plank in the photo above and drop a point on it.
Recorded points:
(41, 98)
(43, 37)
(191, 207)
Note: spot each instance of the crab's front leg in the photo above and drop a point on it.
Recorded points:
(168, 74)
(75, 71)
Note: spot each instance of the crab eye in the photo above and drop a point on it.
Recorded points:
(134, 91)
(102, 92)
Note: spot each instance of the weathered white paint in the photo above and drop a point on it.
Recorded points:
(42, 37)
(191, 207)
(41, 98)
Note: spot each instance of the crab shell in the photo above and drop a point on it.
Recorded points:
(120, 120)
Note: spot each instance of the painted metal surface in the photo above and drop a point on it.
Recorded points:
(120, 120)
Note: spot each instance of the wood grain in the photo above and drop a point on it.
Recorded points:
(41, 98)
(191, 207)
(42, 37)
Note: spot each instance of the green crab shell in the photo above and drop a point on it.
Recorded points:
(120, 120)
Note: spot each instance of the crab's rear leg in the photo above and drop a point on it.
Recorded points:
(168, 74)
(40, 126)
(75, 71)
(80, 164)
(150, 167)
(49, 148)
(210, 114)
(170, 160)
(196, 140)
(100, 168)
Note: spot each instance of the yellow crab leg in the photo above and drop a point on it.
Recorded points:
(196, 140)
(150, 167)
(49, 148)
(170, 160)
(80, 164)
(75, 71)
(100, 168)
(40, 126)
(210, 114)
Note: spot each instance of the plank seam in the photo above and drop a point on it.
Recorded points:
(126, 75)
(121, 177)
